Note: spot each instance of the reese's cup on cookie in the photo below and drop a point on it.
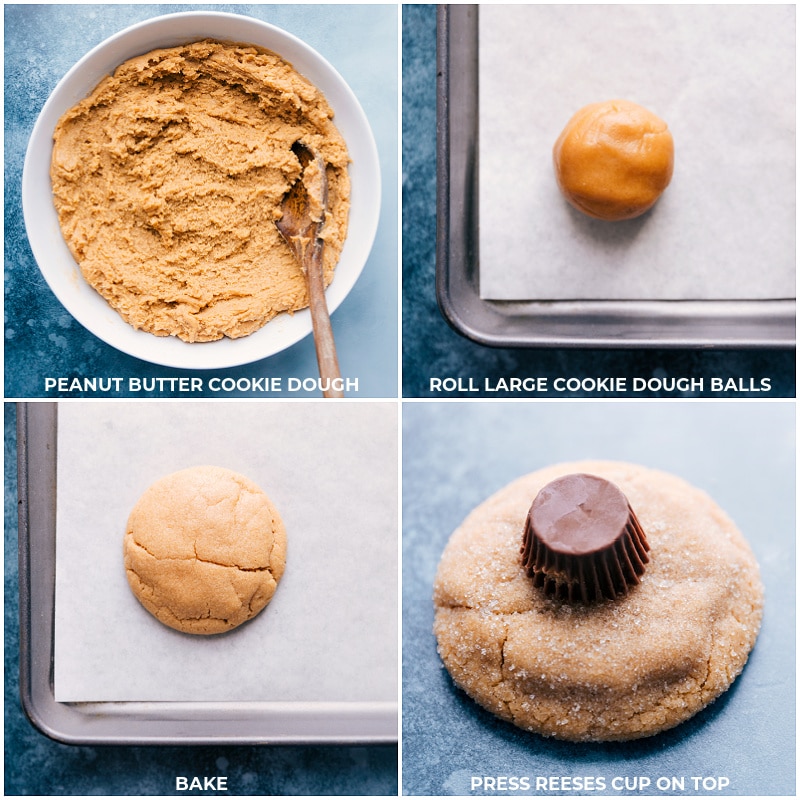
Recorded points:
(582, 540)
(549, 643)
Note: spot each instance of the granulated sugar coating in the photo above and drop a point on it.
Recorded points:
(615, 670)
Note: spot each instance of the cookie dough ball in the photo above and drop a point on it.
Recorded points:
(204, 550)
(614, 159)
(608, 670)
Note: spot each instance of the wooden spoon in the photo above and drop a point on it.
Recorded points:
(303, 216)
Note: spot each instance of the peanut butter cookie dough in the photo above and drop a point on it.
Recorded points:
(613, 160)
(204, 550)
(612, 669)
(168, 179)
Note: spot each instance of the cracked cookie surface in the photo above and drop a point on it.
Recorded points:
(615, 670)
(204, 549)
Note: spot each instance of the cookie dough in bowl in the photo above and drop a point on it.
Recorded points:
(607, 669)
(204, 550)
(169, 224)
(168, 180)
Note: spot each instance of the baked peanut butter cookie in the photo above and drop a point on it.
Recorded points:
(204, 550)
(596, 601)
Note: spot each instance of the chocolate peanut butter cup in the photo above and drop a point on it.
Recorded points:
(582, 540)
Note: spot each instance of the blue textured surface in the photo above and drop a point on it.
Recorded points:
(455, 455)
(42, 339)
(432, 349)
(35, 765)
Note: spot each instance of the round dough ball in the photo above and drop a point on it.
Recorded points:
(204, 550)
(614, 159)
(614, 670)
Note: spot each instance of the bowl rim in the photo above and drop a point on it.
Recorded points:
(287, 329)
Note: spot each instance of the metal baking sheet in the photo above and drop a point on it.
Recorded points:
(193, 721)
(579, 323)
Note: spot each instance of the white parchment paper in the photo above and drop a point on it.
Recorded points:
(330, 632)
(723, 78)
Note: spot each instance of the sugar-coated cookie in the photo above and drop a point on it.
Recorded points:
(613, 669)
(613, 160)
(204, 549)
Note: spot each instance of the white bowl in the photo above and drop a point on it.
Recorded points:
(59, 267)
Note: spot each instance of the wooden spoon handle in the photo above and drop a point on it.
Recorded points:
(321, 323)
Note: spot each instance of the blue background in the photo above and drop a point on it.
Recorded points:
(455, 455)
(42, 42)
(432, 349)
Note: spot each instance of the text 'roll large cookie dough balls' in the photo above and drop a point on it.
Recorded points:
(613, 160)
(204, 550)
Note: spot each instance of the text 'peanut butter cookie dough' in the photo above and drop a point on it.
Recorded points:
(204, 550)
(168, 180)
(674, 636)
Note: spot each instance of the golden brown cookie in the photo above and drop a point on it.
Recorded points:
(609, 670)
(204, 549)
(613, 160)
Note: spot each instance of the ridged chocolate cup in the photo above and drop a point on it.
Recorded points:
(582, 540)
